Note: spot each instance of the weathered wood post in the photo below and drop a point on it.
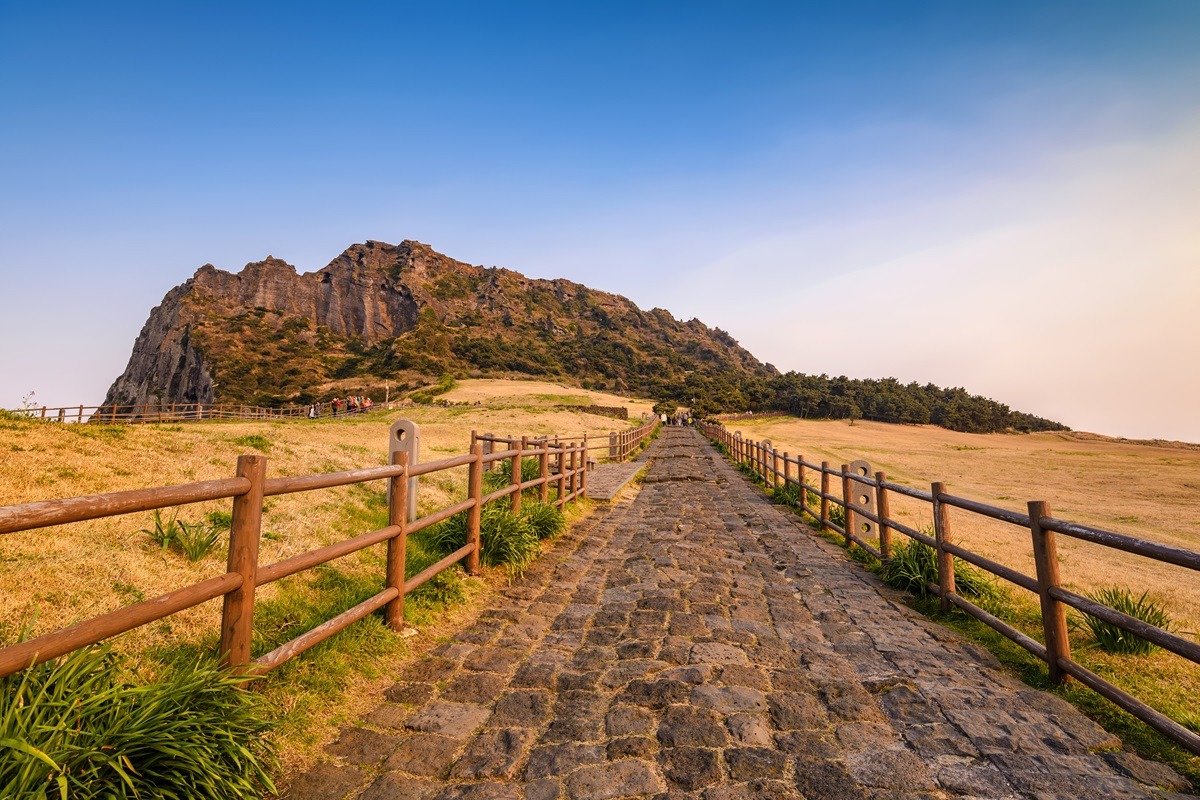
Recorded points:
(824, 496)
(574, 484)
(787, 470)
(544, 472)
(775, 467)
(562, 474)
(79, 419)
(245, 532)
(475, 513)
(614, 449)
(397, 546)
(941, 529)
(1054, 616)
(847, 505)
(881, 508)
(515, 479)
(800, 482)
(583, 475)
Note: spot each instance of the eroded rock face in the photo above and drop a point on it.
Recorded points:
(353, 297)
(268, 335)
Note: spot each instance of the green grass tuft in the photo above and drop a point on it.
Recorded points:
(1112, 639)
(72, 728)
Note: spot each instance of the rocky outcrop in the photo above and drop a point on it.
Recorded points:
(396, 313)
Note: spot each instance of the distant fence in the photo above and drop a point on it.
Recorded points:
(160, 412)
(865, 498)
(562, 465)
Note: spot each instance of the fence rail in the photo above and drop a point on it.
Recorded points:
(563, 465)
(782, 469)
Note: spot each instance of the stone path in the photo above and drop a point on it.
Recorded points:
(699, 642)
(606, 480)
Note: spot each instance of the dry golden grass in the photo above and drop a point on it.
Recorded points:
(1152, 492)
(54, 577)
(498, 393)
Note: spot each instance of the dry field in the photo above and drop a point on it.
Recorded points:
(1142, 490)
(56, 576)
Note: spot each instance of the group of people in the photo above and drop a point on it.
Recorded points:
(340, 405)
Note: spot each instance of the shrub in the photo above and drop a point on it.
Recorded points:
(913, 566)
(505, 539)
(545, 521)
(788, 495)
(1112, 639)
(72, 728)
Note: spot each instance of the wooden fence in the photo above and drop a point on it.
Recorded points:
(159, 412)
(623, 444)
(562, 465)
(782, 469)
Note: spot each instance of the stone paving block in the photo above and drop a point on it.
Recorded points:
(325, 782)
(618, 779)
(362, 746)
(691, 768)
(456, 720)
(424, 754)
(493, 754)
(561, 759)
(395, 786)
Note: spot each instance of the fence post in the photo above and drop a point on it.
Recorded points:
(612, 446)
(1054, 617)
(562, 474)
(80, 419)
(787, 470)
(941, 530)
(847, 505)
(574, 471)
(397, 546)
(775, 467)
(544, 472)
(583, 456)
(800, 482)
(245, 532)
(824, 497)
(475, 513)
(514, 479)
(881, 508)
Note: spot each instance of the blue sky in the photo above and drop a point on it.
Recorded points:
(998, 195)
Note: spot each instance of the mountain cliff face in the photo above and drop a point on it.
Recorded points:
(404, 314)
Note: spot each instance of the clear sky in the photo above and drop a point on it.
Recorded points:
(999, 195)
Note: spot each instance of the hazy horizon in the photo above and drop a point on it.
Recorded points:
(997, 196)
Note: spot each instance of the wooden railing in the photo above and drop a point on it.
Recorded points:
(781, 469)
(563, 465)
(623, 444)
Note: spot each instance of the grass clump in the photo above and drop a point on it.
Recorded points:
(73, 728)
(506, 539)
(254, 440)
(194, 540)
(913, 566)
(1112, 639)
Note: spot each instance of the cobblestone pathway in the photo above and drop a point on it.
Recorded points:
(699, 642)
(605, 480)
